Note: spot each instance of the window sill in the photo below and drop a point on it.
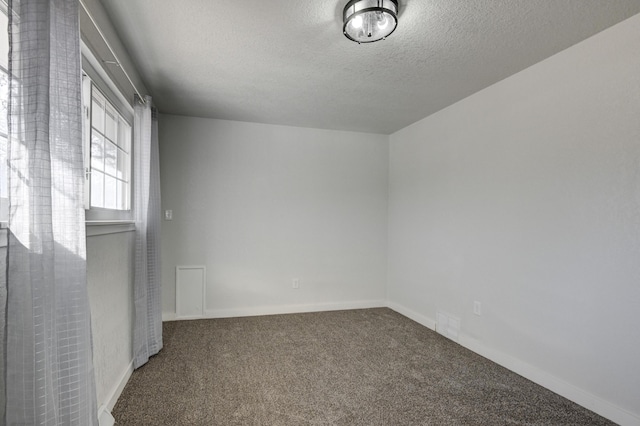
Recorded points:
(93, 227)
(3, 234)
(105, 227)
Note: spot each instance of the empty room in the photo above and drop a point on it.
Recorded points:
(345, 212)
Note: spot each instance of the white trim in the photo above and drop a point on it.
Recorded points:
(97, 66)
(105, 418)
(293, 309)
(549, 381)
(112, 397)
(567, 390)
(281, 309)
(94, 228)
(168, 316)
(113, 53)
(419, 318)
(86, 139)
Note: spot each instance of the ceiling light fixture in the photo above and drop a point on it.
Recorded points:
(366, 21)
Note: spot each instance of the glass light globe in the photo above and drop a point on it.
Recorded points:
(366, 21)
(383, 22)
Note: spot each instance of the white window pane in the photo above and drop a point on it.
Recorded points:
(110, 124)
(97, 151)
(4, 46)
(110, 192)
(123, 166)
(124, 136)
(4, 208)
(4, 101)
(3, 169)
(97, 189)
(123, 196)
(97, 114)
(110, 158)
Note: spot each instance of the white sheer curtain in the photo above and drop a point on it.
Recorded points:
(147, 333)
(49, 377)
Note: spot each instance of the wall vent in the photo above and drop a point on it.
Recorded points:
(190, 291)
(448, 325)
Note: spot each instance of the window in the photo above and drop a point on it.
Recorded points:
(107, 134)
(4, 104)
(109, 150)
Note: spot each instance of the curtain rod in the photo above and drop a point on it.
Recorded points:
(117, 61)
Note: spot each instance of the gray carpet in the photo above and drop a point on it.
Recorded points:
(361, 367)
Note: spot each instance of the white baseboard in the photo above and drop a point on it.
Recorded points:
(536, 375)
(105, 418)
(419, 318)
(553, 383)
(113, 396)
(280, 309)
(294, 309)
(168, 316)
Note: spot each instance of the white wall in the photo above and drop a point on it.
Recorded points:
(110, 284)
(259, 205)
(526, 197)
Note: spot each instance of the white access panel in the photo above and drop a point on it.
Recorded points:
(190, 291)
(448, 325)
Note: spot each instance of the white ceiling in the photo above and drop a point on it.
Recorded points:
(287, 62)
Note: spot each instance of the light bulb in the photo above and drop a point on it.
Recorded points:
(357, 22)
(383, 22)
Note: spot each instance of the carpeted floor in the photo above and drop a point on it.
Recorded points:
(361, 367)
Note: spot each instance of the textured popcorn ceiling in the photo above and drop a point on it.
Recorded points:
(287, 62)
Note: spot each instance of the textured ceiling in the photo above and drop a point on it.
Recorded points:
(287, 62)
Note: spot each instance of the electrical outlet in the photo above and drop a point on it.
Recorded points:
(295, 283)
(477, 308)
(168, 215)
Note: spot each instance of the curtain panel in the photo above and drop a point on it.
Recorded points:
(147, 334)
(48, 357)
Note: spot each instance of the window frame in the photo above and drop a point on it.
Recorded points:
(4, 201)
(99, 79)
(92, 68)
